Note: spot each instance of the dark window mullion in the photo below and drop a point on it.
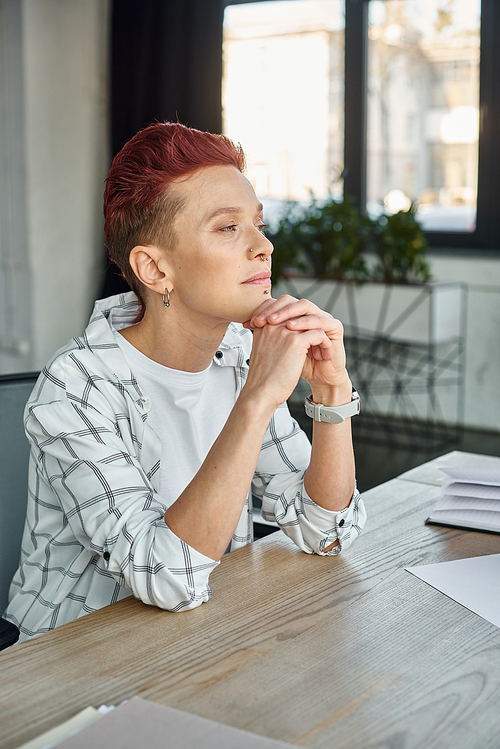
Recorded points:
(488, 203)
(356, 71)
(487, 234)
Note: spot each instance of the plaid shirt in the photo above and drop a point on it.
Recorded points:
(95, 528)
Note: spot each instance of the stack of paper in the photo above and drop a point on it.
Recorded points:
(141, 723)
(470, 500)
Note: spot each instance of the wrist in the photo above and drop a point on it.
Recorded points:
(255, 405)
(333, 414)
(332, 395)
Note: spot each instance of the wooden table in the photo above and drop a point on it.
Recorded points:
(340, 652)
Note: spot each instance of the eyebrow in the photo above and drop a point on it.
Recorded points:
(231, 209)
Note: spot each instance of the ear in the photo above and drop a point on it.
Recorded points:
(151, 267)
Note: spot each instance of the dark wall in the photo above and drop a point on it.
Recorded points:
(166, 64)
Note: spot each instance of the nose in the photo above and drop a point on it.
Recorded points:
(262, 247)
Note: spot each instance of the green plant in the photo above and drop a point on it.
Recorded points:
(324, 239)
(287, 250)
(329, 239)
(401, 247)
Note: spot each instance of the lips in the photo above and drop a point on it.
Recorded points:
(261, 279)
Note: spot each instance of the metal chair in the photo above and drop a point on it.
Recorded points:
(14, 454)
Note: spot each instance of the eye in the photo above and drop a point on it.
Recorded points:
(228, 228)
(262, 228)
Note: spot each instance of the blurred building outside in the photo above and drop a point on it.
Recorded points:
(287, 58)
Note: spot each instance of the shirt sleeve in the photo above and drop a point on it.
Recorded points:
(111, 507)
(279, 482)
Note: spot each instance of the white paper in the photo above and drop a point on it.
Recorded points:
(474, 475)
(451, 502)
(473, 501)
(472, 490)
(141, 723)
(474, 583)
(55, 735)
(431, 473)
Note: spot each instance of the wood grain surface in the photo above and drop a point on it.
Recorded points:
(346, 651)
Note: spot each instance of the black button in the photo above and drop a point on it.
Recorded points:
(341, 523)
(106, 556)
(219, 354)
(248, 362)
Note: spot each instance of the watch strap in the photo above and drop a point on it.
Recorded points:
(332, 414)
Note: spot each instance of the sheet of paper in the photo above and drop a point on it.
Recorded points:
(141, 723)
(474, 475)
(55, 735)
(474, 583)
(450, 502)
(472, 490)
(431, 473)
(467, 519)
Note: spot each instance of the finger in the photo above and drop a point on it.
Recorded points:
(250, 324)
(320, 354)
(307, 322)
(323, 354)
(263, 313)
(317, 339)
(332, 327)
(297, 308)
(258, 326)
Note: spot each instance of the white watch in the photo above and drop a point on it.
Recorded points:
(332, 414)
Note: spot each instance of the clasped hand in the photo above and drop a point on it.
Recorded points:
(294, 338)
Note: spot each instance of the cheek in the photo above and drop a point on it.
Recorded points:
(210, 268)
(216, 269)
(195, 270)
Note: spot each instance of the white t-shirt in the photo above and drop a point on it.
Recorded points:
(189, 410)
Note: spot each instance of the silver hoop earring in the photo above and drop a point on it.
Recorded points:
(166, 303)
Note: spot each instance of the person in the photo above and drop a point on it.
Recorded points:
(152, 431)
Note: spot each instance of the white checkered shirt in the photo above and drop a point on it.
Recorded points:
(95, 529)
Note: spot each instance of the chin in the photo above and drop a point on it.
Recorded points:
(243, 315)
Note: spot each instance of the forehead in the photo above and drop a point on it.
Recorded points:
(211, 188)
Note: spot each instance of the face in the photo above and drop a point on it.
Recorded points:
(220, 266)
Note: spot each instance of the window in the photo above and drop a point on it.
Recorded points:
(423, 109)
(287, 59)
(393, 101)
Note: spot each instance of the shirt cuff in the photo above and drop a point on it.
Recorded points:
(164, 571)
(344, 525)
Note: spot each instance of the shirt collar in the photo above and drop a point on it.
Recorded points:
(99, 338)
(122, 310)
(235, 347)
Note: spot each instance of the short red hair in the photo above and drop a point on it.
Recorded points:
(138, 208)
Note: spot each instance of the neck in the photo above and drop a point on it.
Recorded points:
(171, 338)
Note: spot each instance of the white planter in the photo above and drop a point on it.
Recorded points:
(430, 313)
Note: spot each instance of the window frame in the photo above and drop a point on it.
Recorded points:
(486, 236)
